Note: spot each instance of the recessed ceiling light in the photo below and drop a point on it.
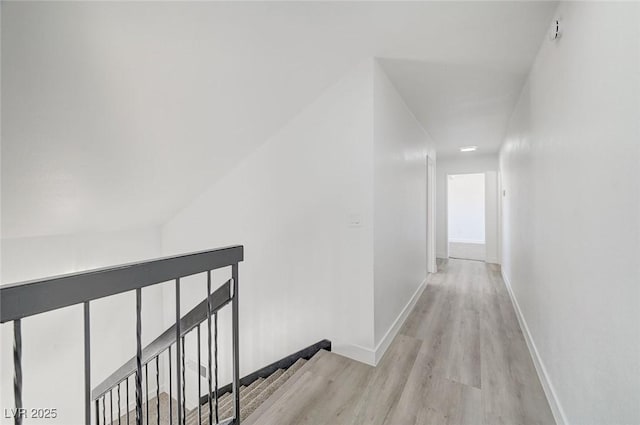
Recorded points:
(468, 148)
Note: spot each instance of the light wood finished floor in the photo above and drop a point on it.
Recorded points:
(460, 358)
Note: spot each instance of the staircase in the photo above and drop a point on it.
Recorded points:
(137, 381)
(104, 403)
(251, 396)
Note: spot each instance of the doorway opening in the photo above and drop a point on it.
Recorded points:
(466, 216)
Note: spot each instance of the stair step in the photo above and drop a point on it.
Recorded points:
(227, 409)
(256, 390)
(225, 400)
(250, 407)
(316, 361)
(153, 418)
(192, 418)
(251, 397)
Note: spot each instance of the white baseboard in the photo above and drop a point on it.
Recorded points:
(355, 352)
(554, 403)
(391, 333)
(373, 356)
(470, 251)
(470, 241)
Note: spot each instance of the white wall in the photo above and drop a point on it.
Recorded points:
(401, 147)
(466, 164)
(465, 208)
(571, 171)
(492, 216)
(294, 204)
(303, 206)
(53, 356)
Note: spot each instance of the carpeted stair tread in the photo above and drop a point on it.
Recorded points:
(226, 401)
(223, 402)
(193, 418)
(259, 388)
(253, 404)
(252, 396)
(205, 409)
(314, 362)
(227, 410)
(153, 409)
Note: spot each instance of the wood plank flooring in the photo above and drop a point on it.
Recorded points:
(460, 358)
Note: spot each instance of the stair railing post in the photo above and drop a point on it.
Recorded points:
(199, 377)
(209, 380)
(178, 354)
(138, 356)
(235, 343)
(87, 364)
(17, 371)
(158, 388)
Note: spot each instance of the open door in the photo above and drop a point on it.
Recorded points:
(466, 212)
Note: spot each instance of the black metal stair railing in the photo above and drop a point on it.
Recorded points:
(21, 300)
(152, 352)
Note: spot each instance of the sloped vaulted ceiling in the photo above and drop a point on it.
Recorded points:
(117, 114)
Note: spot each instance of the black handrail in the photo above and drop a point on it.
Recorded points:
(25, 299)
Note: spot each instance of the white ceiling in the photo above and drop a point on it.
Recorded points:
(459, 104)
(117, 114)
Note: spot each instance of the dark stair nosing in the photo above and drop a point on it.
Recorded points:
(284, 363)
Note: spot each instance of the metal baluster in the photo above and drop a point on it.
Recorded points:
(209, 351)
(104, 410)
(111, 403)
(199, 378)
(138, 356)
(146, 387)
(119, 412)
(127, 380)
(236, 344)
(97, 412)
(215, 359)
(158, 387)
(178, 355)
(170, 391)
(184, 392)
(87, 365)
(17, 370)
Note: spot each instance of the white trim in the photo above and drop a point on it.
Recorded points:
(445, 230)
(470, 241)
(431, 216)
(355, 352)
(547, 385)
(388, 337)
(469, 251)
(372, 357)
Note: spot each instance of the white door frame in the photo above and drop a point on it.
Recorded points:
(496, 216)
(431, 216)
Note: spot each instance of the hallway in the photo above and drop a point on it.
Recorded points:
(460, 358)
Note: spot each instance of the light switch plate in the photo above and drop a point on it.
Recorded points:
(355, 220)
